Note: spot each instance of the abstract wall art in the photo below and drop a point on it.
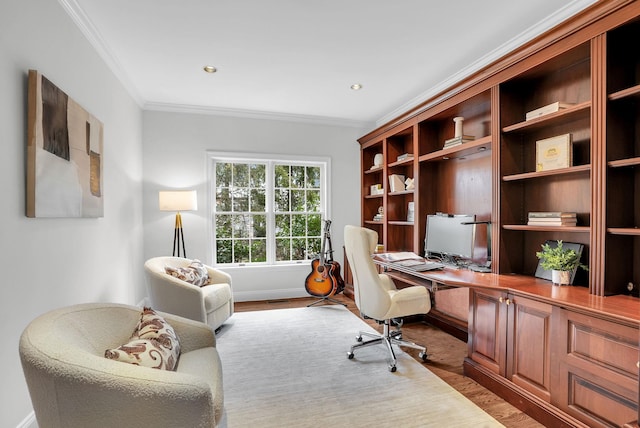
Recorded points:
(64, 154)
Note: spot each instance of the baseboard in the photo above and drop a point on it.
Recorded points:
(29, 421)
(538, 409)
(253, 296)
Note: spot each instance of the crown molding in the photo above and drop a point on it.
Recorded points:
(94, 37)
(551, 21)
(255, 114)
(96, 40)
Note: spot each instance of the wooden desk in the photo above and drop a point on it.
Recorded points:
(621, 307)
(565, 357)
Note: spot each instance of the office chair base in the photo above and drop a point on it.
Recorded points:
(388, 338)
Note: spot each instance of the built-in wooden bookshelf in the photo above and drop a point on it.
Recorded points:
(586, 62)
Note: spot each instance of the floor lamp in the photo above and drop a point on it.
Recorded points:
(179, 200)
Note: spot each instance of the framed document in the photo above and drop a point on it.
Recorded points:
(553, 153)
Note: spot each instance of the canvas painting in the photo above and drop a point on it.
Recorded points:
(64, 154)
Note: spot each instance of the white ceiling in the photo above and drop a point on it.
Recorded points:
(297, 59)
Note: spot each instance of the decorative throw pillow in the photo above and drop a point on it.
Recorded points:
(153, 344)
(196, 273)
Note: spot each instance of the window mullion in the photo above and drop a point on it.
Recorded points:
(271, 218)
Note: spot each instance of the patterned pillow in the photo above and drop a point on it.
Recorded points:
(153, 344)
(196, 273)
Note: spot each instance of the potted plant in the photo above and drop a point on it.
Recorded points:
(562, 262)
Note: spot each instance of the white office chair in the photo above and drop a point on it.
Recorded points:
(377, 296)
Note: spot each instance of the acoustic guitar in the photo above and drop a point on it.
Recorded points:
(324, 280)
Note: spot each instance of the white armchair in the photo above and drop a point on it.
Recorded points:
(211, 303)
(73, 385)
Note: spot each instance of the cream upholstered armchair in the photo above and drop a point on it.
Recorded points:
(73, 385)
(377, 297)
(211, 303)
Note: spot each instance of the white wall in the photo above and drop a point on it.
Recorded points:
(48, 263)
(175, 146)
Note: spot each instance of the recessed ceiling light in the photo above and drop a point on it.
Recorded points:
(210, 69)
(356, 86)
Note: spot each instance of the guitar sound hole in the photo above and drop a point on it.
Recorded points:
(320, 268)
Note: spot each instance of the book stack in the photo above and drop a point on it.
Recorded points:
(552, 218)
(456, 141)
(405, 156)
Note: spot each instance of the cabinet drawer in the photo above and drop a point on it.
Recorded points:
(598, 371)
(602, 345)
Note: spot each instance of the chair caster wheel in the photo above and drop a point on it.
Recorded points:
(423, 356)
(358, 338)
(392, 369)
(350, 355)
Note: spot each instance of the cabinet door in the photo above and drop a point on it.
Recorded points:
(528, 345)
(488, 330)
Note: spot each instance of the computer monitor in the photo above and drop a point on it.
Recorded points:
(448, 237)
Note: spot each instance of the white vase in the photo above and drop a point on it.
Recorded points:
(561, 277)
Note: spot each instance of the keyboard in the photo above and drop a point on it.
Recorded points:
(425, 266)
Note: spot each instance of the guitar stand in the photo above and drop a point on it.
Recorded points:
(326, 299)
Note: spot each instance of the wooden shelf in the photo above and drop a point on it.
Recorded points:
(550, 119)
(539, 174)
(372, 170)
(374, 196)
(471, 148)
(374, 222)
(633, 91)
(624, 162)
(407, 161)
(575, 229)
(402, 192)
(629, 231)
(400, 223)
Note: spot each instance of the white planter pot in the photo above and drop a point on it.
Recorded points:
(561, 277)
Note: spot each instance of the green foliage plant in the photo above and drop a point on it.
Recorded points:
(559, 258)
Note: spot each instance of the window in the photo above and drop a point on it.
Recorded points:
(266, 211)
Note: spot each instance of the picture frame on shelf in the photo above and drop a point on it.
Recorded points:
(554, 153)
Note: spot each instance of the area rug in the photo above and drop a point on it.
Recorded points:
(289, 368)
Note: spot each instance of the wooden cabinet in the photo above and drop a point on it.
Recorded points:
(545, 357)
(587, 64)
(555, 358)
(622, 222)
(511, 336)
(456, 180)
(524, 187)
(395, 229)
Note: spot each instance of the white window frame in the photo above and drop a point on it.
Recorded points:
(323, 162)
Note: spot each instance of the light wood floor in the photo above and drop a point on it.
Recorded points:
(446, 354)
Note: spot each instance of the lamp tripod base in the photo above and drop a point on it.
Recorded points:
(178, 238)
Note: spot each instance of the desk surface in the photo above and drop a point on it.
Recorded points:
(624, 308)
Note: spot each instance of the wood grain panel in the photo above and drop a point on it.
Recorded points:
(487, 328)
(598, 406)
(529, 366)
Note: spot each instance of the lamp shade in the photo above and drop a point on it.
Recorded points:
(178, 200)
